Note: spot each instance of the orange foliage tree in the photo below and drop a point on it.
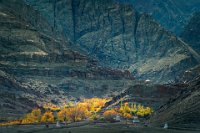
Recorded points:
(78, 113)
(48, 117)
(110, 115)
(95, 104)
(62, 115)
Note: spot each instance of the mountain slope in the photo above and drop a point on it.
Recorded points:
(9, 102)
(145, 93)
(191, 33)
(119, 37)
(183, 111)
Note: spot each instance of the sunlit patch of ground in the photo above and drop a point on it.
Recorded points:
(89, 128)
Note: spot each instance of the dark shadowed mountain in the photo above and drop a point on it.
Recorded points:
(172, 14)
(191, 33)
(119, 37)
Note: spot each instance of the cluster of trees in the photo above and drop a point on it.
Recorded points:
(128, 110)
(86, 109)
(82, 110)
(71, 112)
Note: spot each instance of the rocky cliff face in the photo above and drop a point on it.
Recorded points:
(171, 14)
(119, 37)
(191, 33)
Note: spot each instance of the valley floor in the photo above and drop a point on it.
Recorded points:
(89, 128)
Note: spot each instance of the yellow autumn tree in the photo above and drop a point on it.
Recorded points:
(148, 111)
(78, 113)
(125, 109)
(133, 109)
(62, 115)
(33, 117)
(144, 111)
(95, 104)
(47, 117)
